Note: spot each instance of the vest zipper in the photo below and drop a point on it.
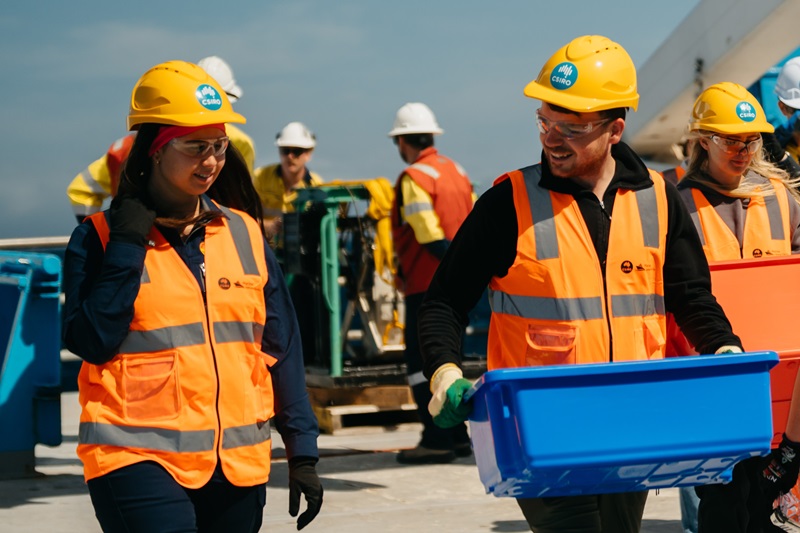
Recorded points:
(214, 358)
(606, 236)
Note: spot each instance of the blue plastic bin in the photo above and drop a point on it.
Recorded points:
(616, 427)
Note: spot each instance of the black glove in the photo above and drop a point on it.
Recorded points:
(130, 220)
(303, 479)
(775, 152)
(781, 467)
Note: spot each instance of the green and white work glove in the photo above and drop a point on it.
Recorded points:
(728, 349)
(448, 386)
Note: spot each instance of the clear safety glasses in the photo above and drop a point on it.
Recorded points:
(568, 130)
(735, 146)
(201, 148)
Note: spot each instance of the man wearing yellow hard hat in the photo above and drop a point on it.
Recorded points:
(583, 254)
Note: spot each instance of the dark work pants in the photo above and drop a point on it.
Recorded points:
(432, 435)
(738, 506)
(601, 513)
(144, 498)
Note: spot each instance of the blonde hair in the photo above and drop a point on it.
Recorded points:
(698, 172)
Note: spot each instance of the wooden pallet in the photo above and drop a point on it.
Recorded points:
(357, 410)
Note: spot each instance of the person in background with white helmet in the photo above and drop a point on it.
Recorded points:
(190, 346)
(93, 185)
(787, 89)
(277, 184)
(744, 208)
(583, 254)
(433, 196)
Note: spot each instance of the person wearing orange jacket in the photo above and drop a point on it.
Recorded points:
(744, 207)
(190, 343)
(583, 254)
(93, 185)
(432, 197)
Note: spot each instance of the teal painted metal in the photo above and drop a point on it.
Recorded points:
(30, 365)
(332, 198)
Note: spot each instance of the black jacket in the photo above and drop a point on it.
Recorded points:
(486, 245)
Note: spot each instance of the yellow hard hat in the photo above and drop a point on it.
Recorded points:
(728, 108)
(591, 73)
(180, 94)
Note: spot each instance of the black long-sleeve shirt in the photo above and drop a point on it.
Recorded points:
(486, 246)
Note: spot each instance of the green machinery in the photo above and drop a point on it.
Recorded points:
(347, 311)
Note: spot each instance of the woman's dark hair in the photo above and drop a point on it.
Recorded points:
(232, 188)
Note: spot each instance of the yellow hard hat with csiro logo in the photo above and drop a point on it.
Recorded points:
(729, 108)
(179, 93)
(591, 73)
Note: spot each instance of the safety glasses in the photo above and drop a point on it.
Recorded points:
(295, 151)
(201, 148)
(568, 130)
(735, 146)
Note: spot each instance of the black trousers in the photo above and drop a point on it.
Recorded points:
(738, 506)
(600, 513)
(144, 498)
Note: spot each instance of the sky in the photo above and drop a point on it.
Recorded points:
(341, 67)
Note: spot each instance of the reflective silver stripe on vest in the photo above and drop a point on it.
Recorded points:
(417, 207)
(150, 438)
(544, 222)
(168, 338)
(688, 200)
(241, 238)
(145, 275)
(426, 169)
(234, 332)
(258, 333)
(637, 305)
(248, 435)
(540, 307)
(92, 183)
(775, 219)
(648, 215)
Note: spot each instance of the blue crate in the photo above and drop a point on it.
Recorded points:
(617, 427)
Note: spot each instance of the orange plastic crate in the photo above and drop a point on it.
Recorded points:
(761, 299)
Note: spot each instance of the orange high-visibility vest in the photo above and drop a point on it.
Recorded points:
(767, 230)
(190, 384)
(451, 192)
(552, 307)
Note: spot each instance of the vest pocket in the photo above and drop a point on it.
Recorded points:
(650, 340)
(551, 345)
(150, 388)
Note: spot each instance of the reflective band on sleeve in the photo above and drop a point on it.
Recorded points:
(417, 207)
(92, 183)
(233, 332)
(241, 238)
(168, 338)
(248, 435)
(648, 214)
(775, 219)
(637, 305)
(150, 438)
(426, 169)
(544, 223)
(417, 378)
(539, 307)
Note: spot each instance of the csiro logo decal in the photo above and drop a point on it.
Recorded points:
(564, 76)
(745, 111)
(208, 97)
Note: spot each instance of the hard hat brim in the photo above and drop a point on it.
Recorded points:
(733, 129)
(575, 103)
(194, 119)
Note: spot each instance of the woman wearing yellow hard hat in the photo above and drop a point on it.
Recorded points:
(744, 207)
(167, 299)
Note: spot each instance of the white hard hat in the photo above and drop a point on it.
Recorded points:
(788, 85)
(413, 118)
(218, 69)
(295, 134)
